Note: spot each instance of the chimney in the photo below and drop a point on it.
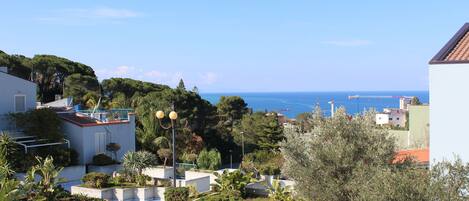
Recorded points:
(3, 69)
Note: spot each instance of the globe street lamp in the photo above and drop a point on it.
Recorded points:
(173, 116)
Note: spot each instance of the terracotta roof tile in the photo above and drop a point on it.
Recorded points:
(456, 49)
(421, 156)
(461, 51)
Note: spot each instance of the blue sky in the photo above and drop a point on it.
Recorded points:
(241, 46)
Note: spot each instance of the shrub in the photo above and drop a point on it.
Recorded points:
(231, 195)
(137, 161)
(227, 182)
(264, 162)
(96, 180)
(102, 159)
(43, 123)
(269, 170)
(177, 193)
(210, 160)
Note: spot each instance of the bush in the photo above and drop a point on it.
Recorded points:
(265, 162)
(43, 123)
(224, 196)
(177, 194)
(102, 159)
(210, 160)
(269, 170)
(96, 180)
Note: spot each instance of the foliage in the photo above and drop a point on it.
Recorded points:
(63, 156)
(165, 154)
(261, 131)
(415, 101)
(18, 65)
(209, 160)
(223, 196)
(264, 162)
(8, 186)
(47, 187)
(96, 180)
(49, 72)
(136, 162)
(102, 159)
(81, 88)
(327, 161)
(12, 151)
(128, 88)
(189, 158)
(279, 193)
(43, 123)
(233, 181)
(176, 193)
(231, 109)
(450, 180)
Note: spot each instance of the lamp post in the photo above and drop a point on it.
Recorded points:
(173, 116)
(242, 142)
(231, 159)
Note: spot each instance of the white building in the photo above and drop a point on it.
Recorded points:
(17, 95)
(392, 116)
(449, 83)
(89, 135)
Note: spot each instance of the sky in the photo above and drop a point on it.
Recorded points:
(241, 46)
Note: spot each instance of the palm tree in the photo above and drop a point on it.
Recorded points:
(138, 161)
(49, 174)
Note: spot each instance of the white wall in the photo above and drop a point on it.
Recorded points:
(449, 91)
(9, 87)
(82, 138)
(74, 134)
(382, 118)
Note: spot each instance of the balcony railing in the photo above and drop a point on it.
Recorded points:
(107, 115)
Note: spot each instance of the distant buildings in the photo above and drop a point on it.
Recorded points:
(392, 116)
(449, 82)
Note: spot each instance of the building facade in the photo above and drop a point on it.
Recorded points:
(449, 80)
(17, 95)
(90, 137)
(393, 117)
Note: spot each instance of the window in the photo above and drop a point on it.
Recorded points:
(100, 143)
(397, 118)
(20, 103)
(390, 118)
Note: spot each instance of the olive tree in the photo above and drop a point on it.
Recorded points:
(328, 161)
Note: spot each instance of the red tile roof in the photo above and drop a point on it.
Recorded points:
(456, 50)
(461, 51)
(421, 156)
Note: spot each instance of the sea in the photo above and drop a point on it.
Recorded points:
(293, 103)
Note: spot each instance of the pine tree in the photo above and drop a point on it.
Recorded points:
(181, 85)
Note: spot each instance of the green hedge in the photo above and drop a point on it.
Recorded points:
(176, 194)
